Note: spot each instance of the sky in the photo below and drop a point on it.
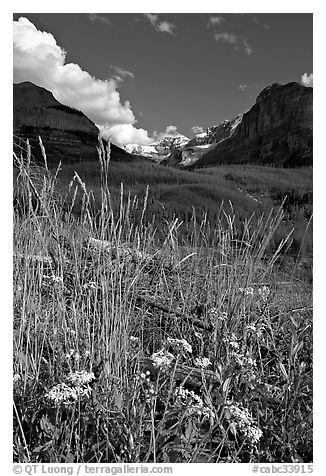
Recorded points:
(141, 76)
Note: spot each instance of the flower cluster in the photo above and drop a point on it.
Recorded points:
(16, 378)
(72, 354)
(247, 291)
(77, 386)
(162, 359)
(202, 362)
(257, 329)
(193, 403)
(53, 279)
(232, 341)
(264, 293)
(247, 365)
(245, 423)
(180, 345)
(147, 386)
(67, 395)
(215, 315)
(81, 377)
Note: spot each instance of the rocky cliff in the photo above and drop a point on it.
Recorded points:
(67, 134)
(276, 130)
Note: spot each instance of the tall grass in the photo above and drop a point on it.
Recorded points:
(113, 323)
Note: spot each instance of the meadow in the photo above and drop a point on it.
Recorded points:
(168, 323)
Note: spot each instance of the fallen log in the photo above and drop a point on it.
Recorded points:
(167, 310)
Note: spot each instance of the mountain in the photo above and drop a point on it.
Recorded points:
(189, 153)
(159, 149)
(67, 134)
(278, 130)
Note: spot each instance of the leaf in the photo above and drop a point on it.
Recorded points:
(282, 369)
(226, 385)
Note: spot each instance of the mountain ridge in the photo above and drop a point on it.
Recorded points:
(276, 130)
(68, 135)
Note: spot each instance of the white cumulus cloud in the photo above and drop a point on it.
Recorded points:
(307, 80)
(160, 25)
(197, 129)
(39, 59)
(123, 134)
(243, 87)
(215, 20)
(170, 131)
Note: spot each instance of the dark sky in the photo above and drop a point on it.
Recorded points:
(198, 73)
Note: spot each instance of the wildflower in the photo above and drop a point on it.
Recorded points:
(215, 314)
(232, 341)
(62, 394)
(80, 377)
(87, 353)
(193, 403)
(16, 378)
(202, 362)
(134, 340)
(251, 327)
(264, 292)
(245, 423)
(53, 278)
(247, 291)
(180, 345)
(70, 354)
(162, 358)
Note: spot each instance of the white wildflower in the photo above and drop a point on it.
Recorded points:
(245, 423)
(162, 358)
(53, 278)
(134, 340)
(81, 377)
(17, 378)
(62, 394)
(202, 362)
(232, 341)
(264, 293)
(180, 345)
(193, 403)
(217, 315)
(247, 291)
(252, 327)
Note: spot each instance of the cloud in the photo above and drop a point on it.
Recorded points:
(247, 48)
(38, 58)
(263, 25)
(226, 38)
(161, 26)
(121, 73)
(99, 18)
(307, 80)
(243, 87)
(170, 131)
(236, 41)
(197, 129)
(123, 134)
(215, 20)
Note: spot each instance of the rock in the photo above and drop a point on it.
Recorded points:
(67, 134)
(276, 130)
